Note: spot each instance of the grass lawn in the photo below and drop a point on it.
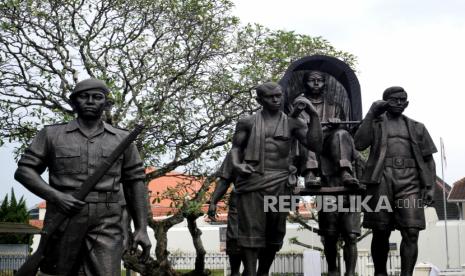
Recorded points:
(215, 272)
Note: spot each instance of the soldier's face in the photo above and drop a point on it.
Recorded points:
(271, 100)
(315, 82)
(90, 104)
(397, 103)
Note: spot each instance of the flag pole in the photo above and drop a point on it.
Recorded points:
(444, 201)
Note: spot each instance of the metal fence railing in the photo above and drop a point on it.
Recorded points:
(10, 263)
(284, 263)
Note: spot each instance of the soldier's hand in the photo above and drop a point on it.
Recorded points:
(68, 204)
(244, 169)
(297, 107)
(212, 212)
(305, 104)
(141, 238)
(378, 108)
(334, 123)
(334, 120)
(428, 196)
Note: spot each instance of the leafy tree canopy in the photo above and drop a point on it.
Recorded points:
(185, 68)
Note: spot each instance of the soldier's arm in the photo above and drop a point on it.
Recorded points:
(428, 149)
(310, 135)
(239, 143)
(363, 138)
(431, 165)
(32, 164)
(135, 193)
(429, 188)
(364, 135)
(219, 192)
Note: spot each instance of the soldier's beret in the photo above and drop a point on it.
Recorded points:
(391, 90)
(89, 84)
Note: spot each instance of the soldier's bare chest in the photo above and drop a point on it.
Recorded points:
(275, 140)
(398, 142)
(397, 129)
(271, 126)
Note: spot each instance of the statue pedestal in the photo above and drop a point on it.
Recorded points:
(422, 270)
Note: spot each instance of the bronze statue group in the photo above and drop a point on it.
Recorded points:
(400, 169)
(295, 133)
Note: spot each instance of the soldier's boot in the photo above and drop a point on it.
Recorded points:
(333, 273)
(349, 180)
(311, 181)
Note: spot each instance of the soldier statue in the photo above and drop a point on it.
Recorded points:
(90, 242)
(400, 170)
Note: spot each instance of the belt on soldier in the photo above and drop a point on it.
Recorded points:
(108, 197)
(400, 162)
(97, 196)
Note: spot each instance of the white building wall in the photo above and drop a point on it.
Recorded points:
(42, 213)
(431, 243)
(179, 239)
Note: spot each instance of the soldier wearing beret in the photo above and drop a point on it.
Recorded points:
(90, 243)
(400, 170)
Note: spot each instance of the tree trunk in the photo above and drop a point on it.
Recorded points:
(198, 245)
(160, 229)
(132, 262)
(161, 266)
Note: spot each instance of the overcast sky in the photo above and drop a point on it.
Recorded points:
(415, 44)
(419, 45)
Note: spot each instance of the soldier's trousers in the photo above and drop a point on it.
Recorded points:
(90, 243)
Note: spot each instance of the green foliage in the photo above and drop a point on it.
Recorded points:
(12, 210)
(365, 154)
(185, 68)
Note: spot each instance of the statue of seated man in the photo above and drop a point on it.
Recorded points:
(334, 164)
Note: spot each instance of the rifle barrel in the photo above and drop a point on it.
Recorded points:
(341, 122)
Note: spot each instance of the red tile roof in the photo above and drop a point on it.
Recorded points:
(158, 186)
(37, 223)
(161, 184)
(457, 194)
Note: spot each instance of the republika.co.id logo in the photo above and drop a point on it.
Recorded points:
(340, 203)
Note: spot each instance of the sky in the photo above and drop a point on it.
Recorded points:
(419, 45)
